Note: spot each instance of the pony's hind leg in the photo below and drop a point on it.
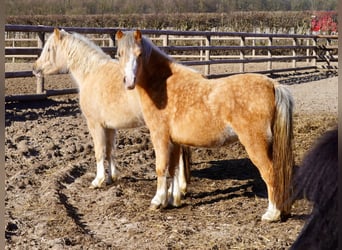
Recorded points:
(258, 147)
(110, 144)
(176, 171)
(182, 173)
(184, 169)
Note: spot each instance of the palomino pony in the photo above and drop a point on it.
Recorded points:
(317, 180)
(104, 102)
(181, 107)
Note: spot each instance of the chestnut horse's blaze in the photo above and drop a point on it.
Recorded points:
(180, 106)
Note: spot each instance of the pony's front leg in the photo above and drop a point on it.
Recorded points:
(113, 173)
(98, 134)
(162, 162)
(160, 198)
(100, 174)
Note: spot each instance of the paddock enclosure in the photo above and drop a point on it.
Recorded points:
(50, 162)
(233, 52)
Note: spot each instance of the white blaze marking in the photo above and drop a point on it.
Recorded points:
(130, 70)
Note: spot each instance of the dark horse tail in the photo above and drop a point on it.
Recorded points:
(283, 160)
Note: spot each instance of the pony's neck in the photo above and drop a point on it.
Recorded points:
(82, 58)
(158, 66)
(153, 78)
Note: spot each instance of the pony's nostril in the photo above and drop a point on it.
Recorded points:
(36, 71)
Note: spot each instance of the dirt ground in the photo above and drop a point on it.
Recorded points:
(50, 164)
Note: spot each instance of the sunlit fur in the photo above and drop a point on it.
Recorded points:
(180, 106)
(104, 101)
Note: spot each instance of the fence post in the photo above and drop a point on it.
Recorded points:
(13, 46)
(242, 54)
(165, 39)
(308, 50)
(40, 80)
(201, 51)
(294, 53)
(207, 55)
(269, 53)
(111, 40)
(327, 52)
(314, 52)
(253, 50)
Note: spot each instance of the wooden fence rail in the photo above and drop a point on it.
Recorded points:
(201, 48)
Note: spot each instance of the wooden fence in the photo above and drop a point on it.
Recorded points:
(193, 48)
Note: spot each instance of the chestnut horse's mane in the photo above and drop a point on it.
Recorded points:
(147, 47)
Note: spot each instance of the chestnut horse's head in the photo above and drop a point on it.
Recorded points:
(52, 60)
(131, 51)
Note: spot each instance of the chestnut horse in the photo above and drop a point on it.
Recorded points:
(104, 102)
(181, 107)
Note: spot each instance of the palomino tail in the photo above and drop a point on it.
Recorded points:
(283, 160)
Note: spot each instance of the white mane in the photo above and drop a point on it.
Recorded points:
(82, 53)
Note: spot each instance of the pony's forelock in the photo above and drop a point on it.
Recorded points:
(148, 46)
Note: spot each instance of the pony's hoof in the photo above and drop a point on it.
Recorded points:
(110, 181)
(184, 193)
(97, 183)
(175, 202)
(93, 186)
(270, 217)
(154, 207)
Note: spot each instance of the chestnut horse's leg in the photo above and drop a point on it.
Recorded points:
(163, 150)
(184, 169)
(176, 171)
(182, 172)
(258, 146)
(110, 144)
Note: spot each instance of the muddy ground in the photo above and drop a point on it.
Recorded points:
(50, 164)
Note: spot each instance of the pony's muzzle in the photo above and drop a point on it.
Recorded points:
(37, 71)
(129, 83)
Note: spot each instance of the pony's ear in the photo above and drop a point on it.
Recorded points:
(119, 34)
(137, 35)
(57, 33)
